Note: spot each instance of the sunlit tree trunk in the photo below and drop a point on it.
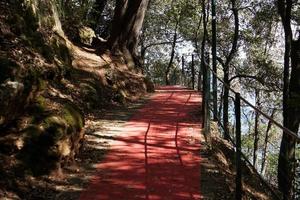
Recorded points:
(127, 25)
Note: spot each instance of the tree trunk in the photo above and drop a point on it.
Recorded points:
(290, 102)
(204, 67)
(226, 67)
(117, 25)
(291, 121)
(134, 33)
(256, 128)
(265, 147)
(182, 71)
(225, 105)
(167, 73)
(127, 24)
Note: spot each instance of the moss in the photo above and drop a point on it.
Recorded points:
(73, 117)
(91, 93)
(40, 100)
(61, 50)
(38, 110)
(42, 84)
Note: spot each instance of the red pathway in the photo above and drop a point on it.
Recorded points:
(156, 155)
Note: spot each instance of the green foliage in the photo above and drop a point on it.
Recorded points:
(73, 117)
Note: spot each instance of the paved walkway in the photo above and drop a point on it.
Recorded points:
(156, 155)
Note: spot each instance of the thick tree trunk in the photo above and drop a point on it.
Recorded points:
(117, 25)
(127, 24)
(291, 121)
(136, 28)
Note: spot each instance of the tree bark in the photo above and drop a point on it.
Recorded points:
(226, 103)
(256, 128)
(204, 66)
(137, 24)
(226, 68)
(265, 147)
(127, 24)
(291, 106)
(117, 24)
(167, 73)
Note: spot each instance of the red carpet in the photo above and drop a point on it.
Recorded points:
(157, 154)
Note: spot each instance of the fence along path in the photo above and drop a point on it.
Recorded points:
(235, 138)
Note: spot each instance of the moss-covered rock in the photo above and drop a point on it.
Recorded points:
(53, 137)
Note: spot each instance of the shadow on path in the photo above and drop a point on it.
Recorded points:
(157, 154)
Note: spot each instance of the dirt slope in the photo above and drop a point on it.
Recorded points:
(48, 89)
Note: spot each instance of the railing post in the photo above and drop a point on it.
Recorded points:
(200, 89)
(182, 71)
(193, 72)
(238, 180)
(206, 95)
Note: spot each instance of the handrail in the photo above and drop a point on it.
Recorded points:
(286, 130)
(249, 163)
(239, 101)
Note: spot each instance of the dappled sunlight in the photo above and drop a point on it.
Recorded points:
(155, 155)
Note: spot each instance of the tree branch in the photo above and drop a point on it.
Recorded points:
(246, 76)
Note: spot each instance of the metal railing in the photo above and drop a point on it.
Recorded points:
(238, 134)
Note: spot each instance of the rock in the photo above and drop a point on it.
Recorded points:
(52, 138)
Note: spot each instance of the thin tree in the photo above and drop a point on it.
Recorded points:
(226, 64)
